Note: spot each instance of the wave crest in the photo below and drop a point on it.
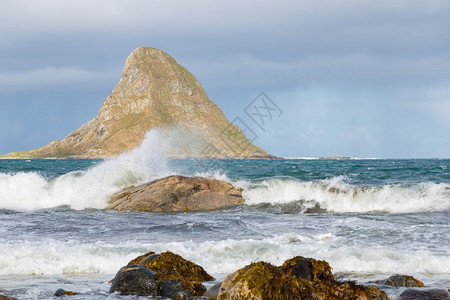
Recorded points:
(335, 195)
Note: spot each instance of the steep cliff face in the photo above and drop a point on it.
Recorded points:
(154, 91)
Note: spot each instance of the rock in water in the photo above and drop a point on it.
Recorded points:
(3, 297)
(135, 280)
(260, 281)
(173, 289)
(154, 91)
(298, 278)
(432, 294)
(61, 292)
(178, 275)
(308, 268)
(178, 194)
(401, 280)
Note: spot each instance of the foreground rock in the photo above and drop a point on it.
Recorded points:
(178, 194)
(401, 280)
(177, 277)
(135, 280)
(3, 297)
(298, 278)
(432, 294)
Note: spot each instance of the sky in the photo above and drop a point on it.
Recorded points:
(351, 78)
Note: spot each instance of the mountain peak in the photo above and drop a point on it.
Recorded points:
(154, 91)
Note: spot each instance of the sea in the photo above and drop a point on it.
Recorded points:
(369, 218)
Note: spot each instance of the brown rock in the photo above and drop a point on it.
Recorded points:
(3, 297)
(401, 280)
(431, 294)
(259, 281)
(178, 194)
(298, 278)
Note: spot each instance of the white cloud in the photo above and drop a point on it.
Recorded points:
(49, 77)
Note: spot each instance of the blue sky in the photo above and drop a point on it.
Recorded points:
(353, 78)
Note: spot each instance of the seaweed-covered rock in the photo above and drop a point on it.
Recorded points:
(178, 194)
(298, 278)
(170, 266)
(351, 290)
(430, 294)
(61, 292)
(259, 281)
(401, 280)
(138, 260)
(173, 289)
(308, 268)
(135, 280)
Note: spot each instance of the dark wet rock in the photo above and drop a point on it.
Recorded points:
(178, 194)
(308, 268)
(135, 280)
(170, 266)
(213, 292)
(424, 294)
(61, 292)
(173, 289)
(401, 280)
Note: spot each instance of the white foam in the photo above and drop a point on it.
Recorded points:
(335, 195)
(91, 188)
(49, 257)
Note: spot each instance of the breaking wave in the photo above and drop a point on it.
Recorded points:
(26, 191)
(335, 195)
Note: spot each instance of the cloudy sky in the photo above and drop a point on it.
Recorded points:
(353, 78)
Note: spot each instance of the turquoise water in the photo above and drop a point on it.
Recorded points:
(368, 218)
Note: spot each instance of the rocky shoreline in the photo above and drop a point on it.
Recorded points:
(169, 276)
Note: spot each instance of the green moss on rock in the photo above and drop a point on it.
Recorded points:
(170, 266)
(264, 281)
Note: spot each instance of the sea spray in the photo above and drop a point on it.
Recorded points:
(92, 188)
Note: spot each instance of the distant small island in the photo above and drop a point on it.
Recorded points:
(153, 92)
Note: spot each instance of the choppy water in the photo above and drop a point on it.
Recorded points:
(368, 218)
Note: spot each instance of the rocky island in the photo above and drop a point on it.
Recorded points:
(154, 91)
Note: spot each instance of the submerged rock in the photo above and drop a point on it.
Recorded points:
(401, 280)
(178, 194)
(135, 280)
(61, 292)
(172, 267)
(431, 294)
